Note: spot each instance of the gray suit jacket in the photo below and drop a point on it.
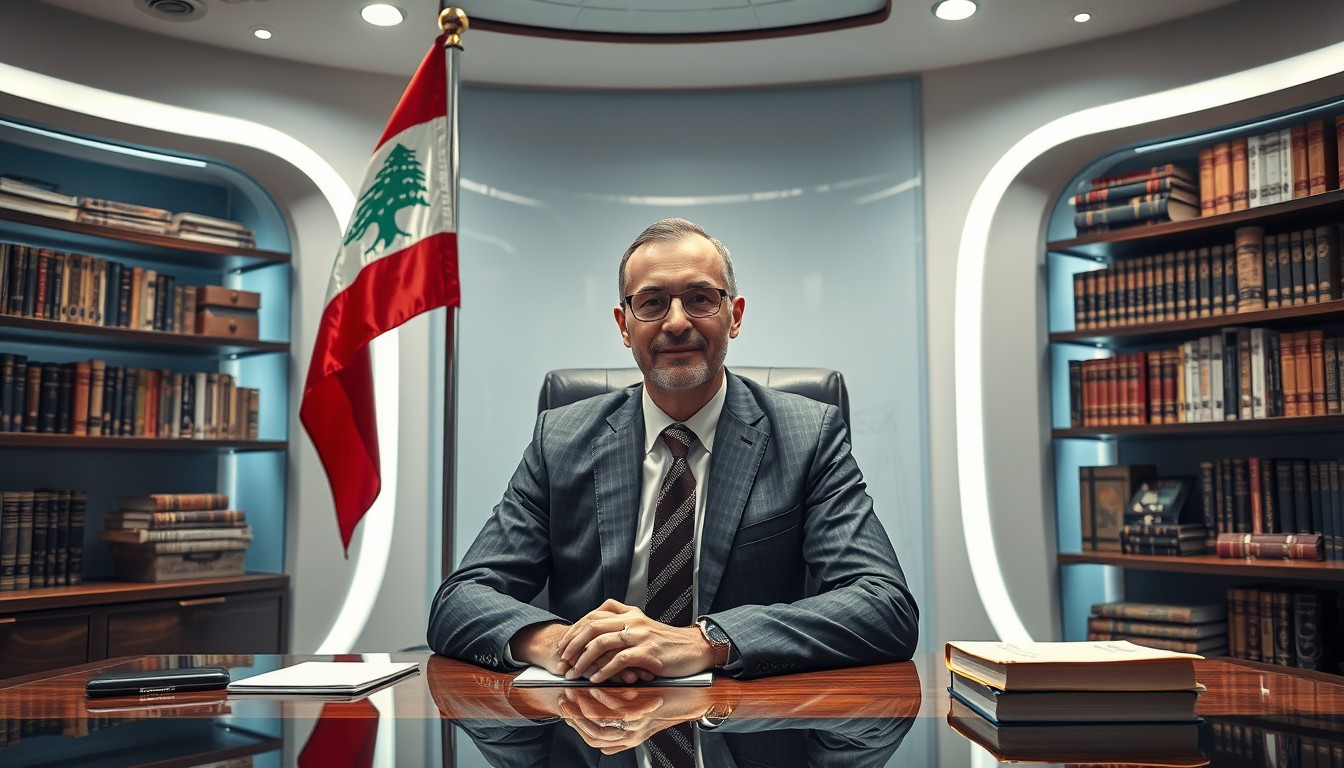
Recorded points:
(786, 502)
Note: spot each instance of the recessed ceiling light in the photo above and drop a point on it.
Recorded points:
(1082, 17)
(382, 14)
(954, 10)
(261, 33)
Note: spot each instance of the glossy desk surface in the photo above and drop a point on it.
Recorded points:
(457, 714)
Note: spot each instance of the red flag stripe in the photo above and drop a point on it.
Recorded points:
(425, 98)
(337, 406)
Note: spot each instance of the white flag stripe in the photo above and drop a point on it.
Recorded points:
(428, 141)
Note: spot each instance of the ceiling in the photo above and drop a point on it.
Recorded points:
(910, 39)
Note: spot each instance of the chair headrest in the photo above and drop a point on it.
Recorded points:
(570, 385)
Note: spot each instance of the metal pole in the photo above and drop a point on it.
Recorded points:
(452, 21)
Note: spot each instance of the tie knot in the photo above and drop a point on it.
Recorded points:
(678, 439)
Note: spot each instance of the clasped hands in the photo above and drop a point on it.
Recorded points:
(615, 642)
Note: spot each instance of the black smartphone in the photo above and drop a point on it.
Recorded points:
(157, 681)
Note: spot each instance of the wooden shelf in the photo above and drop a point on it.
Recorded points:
(34, 331)
(1280, 425)
(141, 246)
(1302, 316)
(105, 592)
(1310, 211)
(1305, 570)
(31, 440)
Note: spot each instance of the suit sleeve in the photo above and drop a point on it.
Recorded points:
(861, 611)
(486, 600)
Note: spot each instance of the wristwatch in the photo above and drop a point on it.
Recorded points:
(718, 640)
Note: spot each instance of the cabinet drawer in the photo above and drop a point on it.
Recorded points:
(36, 643)
(238, 623)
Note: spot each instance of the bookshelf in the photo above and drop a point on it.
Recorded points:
(1177, 449)
(48, 627)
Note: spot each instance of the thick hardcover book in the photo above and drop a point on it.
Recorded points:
(79, 399)
(1302, 496)
(1269, 502)
(1180, 614)
(1326, 238)
(1104, 494)
(1281, 612)
(1229, 288)
(1236, 622)
(1132, 544)
(9, 538)
(1203, 292)
(1284, 251)
(74, 570)
(59, 525)
(142, 535)
(1211, 646)
(1158, 628)
(1137, 189)
(1161, 209)
(1251, 623)
(1156, 172)
(1053, 666)
(1273, 374)
(1207, 204)
(65, 388)
(97, 383)
(1299, 291)
(1222, 177)
(6, 392)
(1250, 269)
(1322, 159)
(1316, 371)
(20, 393)
(175, 502)
(24, 549)
(1218, 266)
(1240, 201)
(1287, 496)
(1074, 706)
(1308, 643)
(1311, 286)
(1288, 366)
(1297, 142)
(1208, 494)
(37, 571)
(1274, 546)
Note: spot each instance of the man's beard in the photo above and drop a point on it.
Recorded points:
(681, 377)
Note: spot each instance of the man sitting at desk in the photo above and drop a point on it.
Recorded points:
(678, 521)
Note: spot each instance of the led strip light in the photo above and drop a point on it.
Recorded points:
(376, 541)
(971, 255)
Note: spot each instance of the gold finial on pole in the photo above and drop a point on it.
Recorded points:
(453, 21)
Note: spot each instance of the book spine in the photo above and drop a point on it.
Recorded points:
(9, 538)
(24, 547)
(75, 563)
(1222, 177)
(1298, 142)
(37, 571)
(1240, 201)
(1306, 629)
(1268, 501)
(1207, 203)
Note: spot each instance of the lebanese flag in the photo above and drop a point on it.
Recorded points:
(398, 258)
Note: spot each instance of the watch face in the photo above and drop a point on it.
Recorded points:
(715, 633)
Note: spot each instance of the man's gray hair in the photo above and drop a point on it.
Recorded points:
(670, 231)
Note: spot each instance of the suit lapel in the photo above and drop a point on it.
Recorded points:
(739, 444)
(617, 457)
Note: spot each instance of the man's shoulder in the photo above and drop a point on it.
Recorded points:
(591, 413)
(777, 404)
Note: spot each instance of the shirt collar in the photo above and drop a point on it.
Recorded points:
(703, 423)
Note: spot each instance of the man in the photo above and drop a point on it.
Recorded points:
(678, 521)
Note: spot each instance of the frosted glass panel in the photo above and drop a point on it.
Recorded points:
(816, 192)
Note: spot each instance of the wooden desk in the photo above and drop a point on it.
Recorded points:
(1245, 704)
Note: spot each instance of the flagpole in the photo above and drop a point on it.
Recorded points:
(452, 22)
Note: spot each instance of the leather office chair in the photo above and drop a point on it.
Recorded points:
(570, 385)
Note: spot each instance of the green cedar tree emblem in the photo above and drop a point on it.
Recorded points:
(400, 183)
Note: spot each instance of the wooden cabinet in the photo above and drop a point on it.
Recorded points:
(57, 627)
(48, 627)
(1179, 448)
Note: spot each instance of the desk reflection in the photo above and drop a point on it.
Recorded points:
(582, 726)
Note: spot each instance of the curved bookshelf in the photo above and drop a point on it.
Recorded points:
(142, 245)
(30, 330)
(41, 440)
(1279, 425)
(1306, 570)
(1144, 240)
(1156, 333)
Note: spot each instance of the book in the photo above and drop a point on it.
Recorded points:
(140, 535)
(174, 502)
(1071, 666)
(38, 207)
(1184, 614)
(1212, 646)
(13, 186)
(536, 677)
(1161, 209)
(1145, 174)
(1277, 546)
(1157, 628)
(1074, 706)
(1110, 195)
(330, 678)
(219, 518)
(1165, 744)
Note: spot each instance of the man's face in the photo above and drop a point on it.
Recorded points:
(679, 352)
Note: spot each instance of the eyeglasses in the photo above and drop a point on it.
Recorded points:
(696, 302)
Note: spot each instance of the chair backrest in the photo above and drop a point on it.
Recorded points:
(570, 385)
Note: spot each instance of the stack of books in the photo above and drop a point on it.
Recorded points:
(208, 229)
(18, 196)
(169, 537)
(114, 213)
(1198, 629)
(1075, 702)
(1148, 196)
